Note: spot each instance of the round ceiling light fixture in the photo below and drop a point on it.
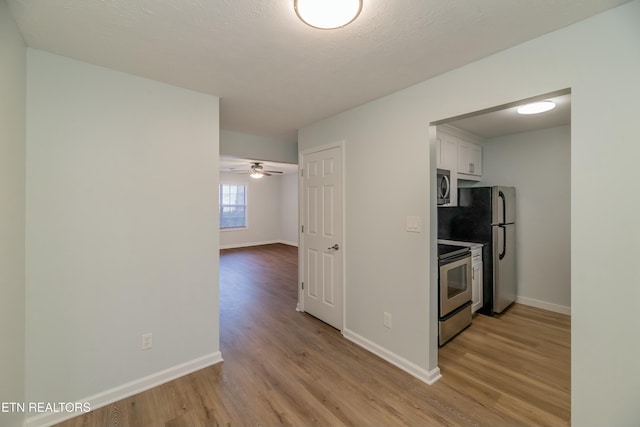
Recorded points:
(536, 107)
(327, 14)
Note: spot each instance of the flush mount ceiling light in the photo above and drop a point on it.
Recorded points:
(327, 14)
(537, 107)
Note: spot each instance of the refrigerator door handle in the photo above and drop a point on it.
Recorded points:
(504, 207)
(504, 242)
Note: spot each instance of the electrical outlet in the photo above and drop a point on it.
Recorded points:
(387, 320)
(147, 341)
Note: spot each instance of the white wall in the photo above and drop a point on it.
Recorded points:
(289, 209)
(400, 275)
(538, 164)
(386, 268)
(244, 145)
(13, 62)
(271, 204)
(122, 230)
(263, 211)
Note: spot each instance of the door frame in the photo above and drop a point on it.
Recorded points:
(301, 214)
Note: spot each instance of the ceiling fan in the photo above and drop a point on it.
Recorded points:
(256, 171)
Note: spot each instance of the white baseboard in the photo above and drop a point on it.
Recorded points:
(556, 308)
(249, 244)
(129, 389)
(428, 377)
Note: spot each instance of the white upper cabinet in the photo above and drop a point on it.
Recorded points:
(469, 160)
(460, 153)
(447, 152)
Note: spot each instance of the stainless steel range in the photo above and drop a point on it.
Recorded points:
(454, 305)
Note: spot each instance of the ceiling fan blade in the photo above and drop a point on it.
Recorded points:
(254, 167)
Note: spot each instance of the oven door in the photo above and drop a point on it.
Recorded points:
(455, 284)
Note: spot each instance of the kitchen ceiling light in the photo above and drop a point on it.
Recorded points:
(536, 107)
(327, 14)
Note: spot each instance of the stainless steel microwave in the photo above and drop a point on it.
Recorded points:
(443, 187)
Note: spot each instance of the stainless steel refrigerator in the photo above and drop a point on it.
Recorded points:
(487, 215)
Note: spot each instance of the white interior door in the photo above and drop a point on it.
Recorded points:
(322, 251)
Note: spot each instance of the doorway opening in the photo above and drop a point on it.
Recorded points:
(258, 239)
(497, 147)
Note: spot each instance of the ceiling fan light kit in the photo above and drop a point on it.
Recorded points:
(327, 14)
(256, 171)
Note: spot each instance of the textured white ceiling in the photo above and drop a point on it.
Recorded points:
(275, 74)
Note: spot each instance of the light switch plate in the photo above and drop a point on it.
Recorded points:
(413, 224)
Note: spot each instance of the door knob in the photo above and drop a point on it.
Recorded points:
(334, 247)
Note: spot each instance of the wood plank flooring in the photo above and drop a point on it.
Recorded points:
(284, 368)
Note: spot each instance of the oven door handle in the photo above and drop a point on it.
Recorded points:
(455, 258)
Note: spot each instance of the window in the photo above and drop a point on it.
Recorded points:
(233, 206)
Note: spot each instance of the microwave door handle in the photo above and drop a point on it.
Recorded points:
(448, 186)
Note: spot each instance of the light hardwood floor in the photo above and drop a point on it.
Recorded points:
(284, 368)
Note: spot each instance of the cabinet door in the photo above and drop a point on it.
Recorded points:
(469, 158)
(449, 152)
(476, 287)
(439, 152)
(476, 159)
(464, 157)
(446, 152)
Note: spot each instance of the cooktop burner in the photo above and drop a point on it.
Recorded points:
(446, 251)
